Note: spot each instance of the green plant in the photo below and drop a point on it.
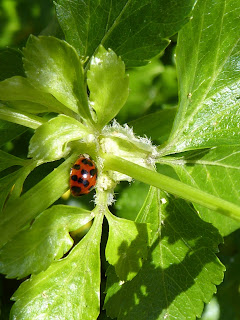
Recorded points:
(163, 265)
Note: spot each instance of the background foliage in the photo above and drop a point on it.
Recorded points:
(153, 88)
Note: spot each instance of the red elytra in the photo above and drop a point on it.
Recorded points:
(83, 176)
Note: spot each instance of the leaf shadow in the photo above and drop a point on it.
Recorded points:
(131, 255)
(192, 157)
(150, 294)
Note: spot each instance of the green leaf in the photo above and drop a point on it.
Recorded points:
(127, 246)
(30, 165)
(130, 199)
(22, 210)
(135, 30)
(181, 271)
(216, 171)
(208, 71)
(9, 131)
(11, 184)
(50, 140)
(48, 239)
(28, 106)
(7, 160)
(69, 288)
(53, 66)
(10, 63)
(156, 126)
(6, 185)
(108, 85)
(20, 93)
(148, 213)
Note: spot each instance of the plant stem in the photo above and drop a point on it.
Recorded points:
(172, 186)
(20, 117)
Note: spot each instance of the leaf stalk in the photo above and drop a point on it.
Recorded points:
(172, 186)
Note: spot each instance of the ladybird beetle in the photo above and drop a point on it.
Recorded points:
(83, 176)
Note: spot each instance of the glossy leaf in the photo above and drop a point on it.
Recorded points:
(216, 171)
(181, 271)
(50, 140)
(67, 289)
(20, 93)
(48, 239)
(127, 246)
(53, 66)
(135, 30)
(208, 70)
(108, 85)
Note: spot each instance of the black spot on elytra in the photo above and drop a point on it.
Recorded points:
(86, 161)
(85, 183)
(74, 178)
(80, 180)
(84, 172)
(93, 172)
(76, 190)
(76, 166)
